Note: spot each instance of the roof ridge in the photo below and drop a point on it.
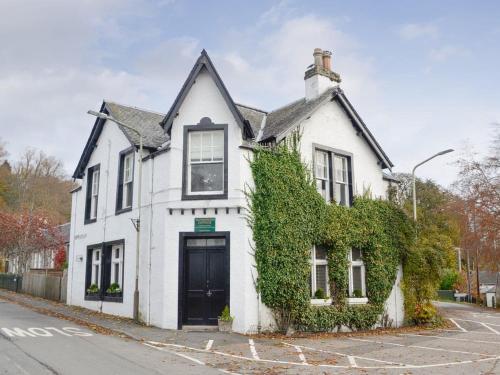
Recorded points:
(250, 107)
(134, 107)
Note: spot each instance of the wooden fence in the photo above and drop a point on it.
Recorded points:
(39, 284)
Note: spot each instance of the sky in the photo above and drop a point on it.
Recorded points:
(423, 75)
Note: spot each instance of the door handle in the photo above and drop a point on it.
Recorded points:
(209, 293)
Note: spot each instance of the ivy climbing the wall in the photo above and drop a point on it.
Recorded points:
(288, 217)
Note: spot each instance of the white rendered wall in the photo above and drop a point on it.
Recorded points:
(108, 226)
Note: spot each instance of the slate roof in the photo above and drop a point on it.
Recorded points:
(253, 115)
(488, 277)
(283, 118)
(143, 120)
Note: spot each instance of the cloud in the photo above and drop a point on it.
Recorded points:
(414, 30)
(446, 52)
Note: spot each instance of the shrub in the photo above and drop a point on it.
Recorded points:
(93, 288)
(225, 315)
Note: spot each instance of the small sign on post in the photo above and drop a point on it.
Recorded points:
(204, 224)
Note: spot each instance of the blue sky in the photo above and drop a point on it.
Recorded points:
(423, 75)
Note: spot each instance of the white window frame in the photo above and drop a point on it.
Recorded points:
(118, 261)
(212, 161)
(345, 184)
(326, 166)
(94, 198)
(96, 263)
(127, 181)
(318, 262)
(356, 263)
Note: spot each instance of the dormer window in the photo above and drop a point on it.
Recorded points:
(205, 162)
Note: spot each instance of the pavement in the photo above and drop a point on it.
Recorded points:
(38, 337)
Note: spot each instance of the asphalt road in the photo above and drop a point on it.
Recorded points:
(31, 343)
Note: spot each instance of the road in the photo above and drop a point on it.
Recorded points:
(31, 343)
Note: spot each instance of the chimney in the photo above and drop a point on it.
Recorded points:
(327, 58)
(319, 76)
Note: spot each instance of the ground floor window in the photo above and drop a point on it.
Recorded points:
(105, 272)
(319, 273)
(357, 287)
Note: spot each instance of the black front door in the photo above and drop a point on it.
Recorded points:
(206, 280)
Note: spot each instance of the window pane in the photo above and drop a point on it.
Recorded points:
(207, 177)
(216, 241)
(128, 195)
(117, 273)
(341, 194)
(356, 278)
(117, 253)
(218, 145)
(196, 242)
(195, 146)
(322, 188)
(340, 168)
(356, 254)
(97, 255)
(320, 252)
(206, 146)
(321, 278)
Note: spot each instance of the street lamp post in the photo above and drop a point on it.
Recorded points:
(413, 179)
(139, 188)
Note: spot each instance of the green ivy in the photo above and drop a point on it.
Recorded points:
(288, 217)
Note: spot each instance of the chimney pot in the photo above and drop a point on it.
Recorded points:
(318, 57)
(327, 58)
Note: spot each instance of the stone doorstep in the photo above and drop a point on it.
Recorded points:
(200, 328)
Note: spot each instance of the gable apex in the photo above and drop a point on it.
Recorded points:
(204, 62)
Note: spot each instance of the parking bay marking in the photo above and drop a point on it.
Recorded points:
(450, 338)
(388, 366)
(44, 332)
(424, 347)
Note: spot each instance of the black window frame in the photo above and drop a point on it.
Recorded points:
(106, 264)
(88, 193)
(205, 124)
(350, 173)
(119, 185)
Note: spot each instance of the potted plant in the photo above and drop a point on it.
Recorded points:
(93, 292)
(225, 320)
(114, 292)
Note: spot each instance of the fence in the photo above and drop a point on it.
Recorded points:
(446, 295)
(11, 282)
(38, 284)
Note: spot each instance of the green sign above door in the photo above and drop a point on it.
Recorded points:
(204, 224)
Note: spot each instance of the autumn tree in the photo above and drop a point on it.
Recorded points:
(26, 233)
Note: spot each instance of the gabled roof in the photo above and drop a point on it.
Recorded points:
(488, 277)
(284, 119)
(147, 122)
(205, 62)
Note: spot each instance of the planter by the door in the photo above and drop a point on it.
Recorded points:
(93, 296)
(225, 326)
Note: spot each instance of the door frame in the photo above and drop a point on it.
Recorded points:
(182, 240)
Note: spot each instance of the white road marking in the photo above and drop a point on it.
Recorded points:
(424, 347)
(491, 329)
(458, 325)
(450, 338)
(178, 354)
(302, 357)
(252, 349)
(393, 366)
(352, 361)
(476, 321)
(209, 344)
(468, 332)
(346, 355)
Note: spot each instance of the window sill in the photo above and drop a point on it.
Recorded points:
(357, 300)
(321, 302)
(199, 197)
(93, 297)
(123, 210)
(118, 299)
(89, 221)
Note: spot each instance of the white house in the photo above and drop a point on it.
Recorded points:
(195, 250)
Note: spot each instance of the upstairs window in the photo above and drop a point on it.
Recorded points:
(333, 174)
(205, 164)
(124, 196)
(92, 198)
(357, 288)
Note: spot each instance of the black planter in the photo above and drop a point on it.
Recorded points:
(96, 296)
(113, 297)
